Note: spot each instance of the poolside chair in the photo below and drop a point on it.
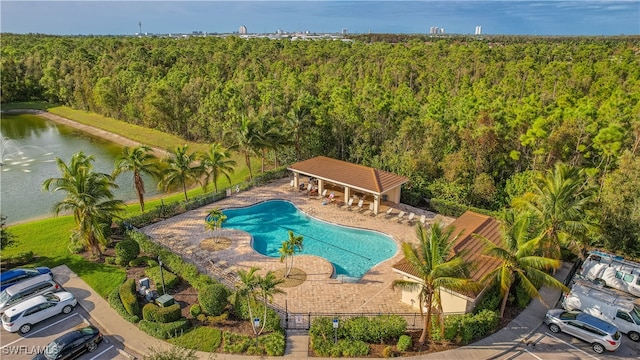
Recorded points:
(388, 212)
(291, 185)
(401, 216)
(349, 203)
(324, 193)
(360, 204)
(371, 209)
(410, 218)
(423, 220)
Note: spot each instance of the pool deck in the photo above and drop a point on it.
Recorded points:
(320, 293)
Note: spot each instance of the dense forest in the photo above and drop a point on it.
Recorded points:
(469, 120)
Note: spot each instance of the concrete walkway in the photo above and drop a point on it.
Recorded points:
(138, 343)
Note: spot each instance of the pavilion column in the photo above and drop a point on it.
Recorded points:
(376, 204)
(347, 193)
(296, 180)
(320, 186)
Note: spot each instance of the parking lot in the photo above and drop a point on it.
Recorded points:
(544, 345)
(18, 346)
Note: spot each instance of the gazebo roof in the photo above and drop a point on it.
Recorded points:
(352, 175)
(466, 226)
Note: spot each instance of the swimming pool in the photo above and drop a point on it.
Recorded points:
(351, 251)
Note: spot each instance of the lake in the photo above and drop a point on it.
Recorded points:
(30, 145)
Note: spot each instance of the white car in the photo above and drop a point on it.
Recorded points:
(24, 315)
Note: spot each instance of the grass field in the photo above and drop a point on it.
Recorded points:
(48, 238)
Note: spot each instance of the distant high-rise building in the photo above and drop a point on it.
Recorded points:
(478, 30)
(433, 30)
(344, 31)
(242, 30)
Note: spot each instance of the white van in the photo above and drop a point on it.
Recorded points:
(26, 289)
(612, 271)
(610, 305)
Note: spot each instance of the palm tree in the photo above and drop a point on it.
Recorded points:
(139, 160)
(437, 267)
(562, 202)
(88, 197)
(247, 140)
(181, 169)
(520, 260)
(288, 250)
(268, 287)
(216, 162)
(214, 220)
(297, 120)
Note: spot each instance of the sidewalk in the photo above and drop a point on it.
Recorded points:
(138, 343)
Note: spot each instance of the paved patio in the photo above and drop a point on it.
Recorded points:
(320, 292)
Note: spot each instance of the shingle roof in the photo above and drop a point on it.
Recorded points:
(353, 175)
(466, 225)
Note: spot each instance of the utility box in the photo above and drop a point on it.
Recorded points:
(165, 300)
(144, 282)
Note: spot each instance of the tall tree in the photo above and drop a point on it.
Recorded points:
(88, 196)
(518, 253)
(181, 170)
(562, 201)
(289, 249)
(216, 162)
(437, 267)
(139, 160)
(268, 287)
(6, 237)
(247, 140)
(214, 221)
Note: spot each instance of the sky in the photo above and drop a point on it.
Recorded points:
(514, 17)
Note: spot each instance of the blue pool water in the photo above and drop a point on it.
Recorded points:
(351, 251)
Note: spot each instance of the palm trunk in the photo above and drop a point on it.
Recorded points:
(184, 190)
(504, 304)
(139, 184)
(426, 330)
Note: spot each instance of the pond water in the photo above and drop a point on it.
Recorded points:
(30, 145)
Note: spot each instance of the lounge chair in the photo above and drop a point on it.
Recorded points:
(410, 218)
(324, 193)
(388, 212)
(401, 216)
(371, 209)
(349, 203)
(291, 185)
(423, 220)
(360, 203)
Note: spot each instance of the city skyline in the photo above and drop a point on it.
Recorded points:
(419, 17)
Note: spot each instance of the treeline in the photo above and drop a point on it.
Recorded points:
(467, 119)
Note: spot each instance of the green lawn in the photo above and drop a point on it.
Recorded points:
(49, 238)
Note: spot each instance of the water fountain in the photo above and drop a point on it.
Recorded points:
(14, 156)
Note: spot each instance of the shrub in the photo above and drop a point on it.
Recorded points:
(490, 300)
(109, 260)
(116, 304)
(142, 261)
(213, 299)
(165, 330)
(212, 320)
(201, 338)
(404, 343)
(202, 318)
(236, 343)
(274, 343)
(149, 312)
(126, 250)
(273, 320)
(195, 310)
(468, 327)
(128, 297)
(522, 298)
(378, 329)
(170, 280)
(169, 314)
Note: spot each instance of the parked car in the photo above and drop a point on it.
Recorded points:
(17, 293)
(14, 276)
(23, 316)
(600, 334)
(72, 344)
(619, 308)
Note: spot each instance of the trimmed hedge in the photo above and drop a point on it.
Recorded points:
(273, 319)
(165, 330)
(469, 327)
(126, 250)
(274, 343)
(201, 338)
(213, 299)
(195, 310)
(149, 311)
(128, 297)
(116, 304)
(152, 312)
(170, 280)
(377, 329)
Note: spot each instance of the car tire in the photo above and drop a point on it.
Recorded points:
(92, 346)
(67, 309)
(554, 328)
(25, 328)
(598, 348)
(634, 336)
(599, 282)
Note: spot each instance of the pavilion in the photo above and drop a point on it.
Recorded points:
(381, 185)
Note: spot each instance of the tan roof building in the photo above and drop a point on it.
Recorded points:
(465, 226)
(352, 177)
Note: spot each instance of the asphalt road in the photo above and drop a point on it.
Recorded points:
(18, 347)
(545, 345)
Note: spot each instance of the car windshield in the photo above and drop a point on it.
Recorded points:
(52, 297)
(635, 314)
(4, 296)
(568, 316)
(52, 350)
